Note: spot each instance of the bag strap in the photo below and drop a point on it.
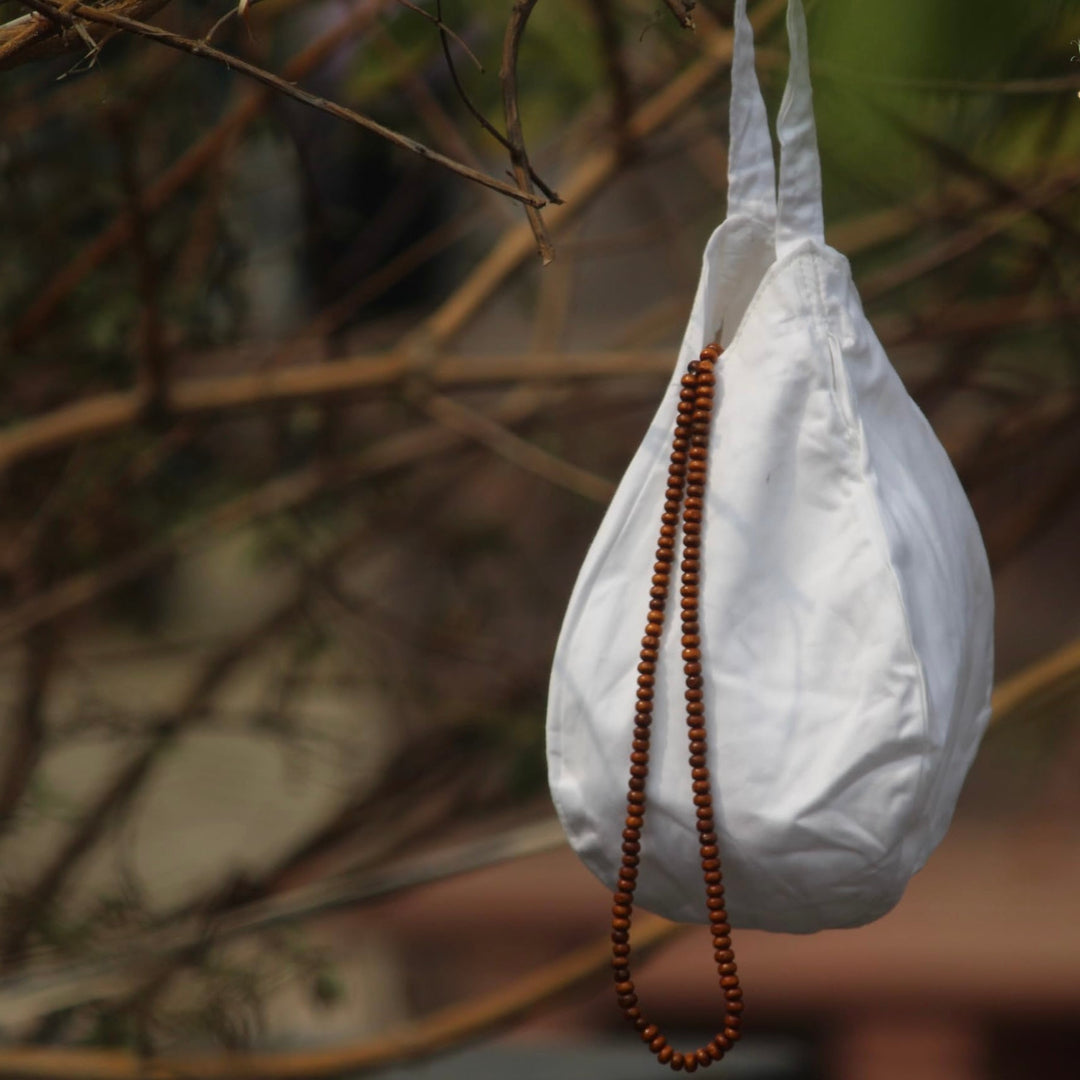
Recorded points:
(751, 171)
(800, 214)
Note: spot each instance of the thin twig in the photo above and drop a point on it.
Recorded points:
(35, 903)
(277, 496)
(967, 239)
(622, 105)
(441, 1031)
(240, 11)
(182, 172)
(50, 985)
(681, 10)
(591, 177)
(32, 38)
(152, 378)
(519, 158)
(1060, 84)
(1003, 189)
(70, 15)
(518, 451)
(481, 119)
(1032, 687)
(444, 30)
(94, 417)
(588, 180)
(27, 726)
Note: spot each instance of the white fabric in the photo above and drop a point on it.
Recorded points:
(846, 607)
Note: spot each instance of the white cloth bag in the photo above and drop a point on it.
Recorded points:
(846, 611)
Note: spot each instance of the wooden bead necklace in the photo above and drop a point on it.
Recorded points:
(685, 493)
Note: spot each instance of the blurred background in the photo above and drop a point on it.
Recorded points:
(302, 445)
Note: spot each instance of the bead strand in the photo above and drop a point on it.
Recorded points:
(684, 500)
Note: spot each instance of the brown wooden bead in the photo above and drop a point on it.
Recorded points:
(683, 509)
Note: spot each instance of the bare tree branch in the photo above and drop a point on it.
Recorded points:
(622, 104)
(968, 239)
(1035, 684)
(519, 158)
(27, 725)
(152, 381)
(69, 16)
(30, 38)
(480, 118)
(442, 1030)
(277, 496)
(28, 908)
(51, 985)
(518, 451)
(205, 396)
(444, 30)
(591, 176)
(681, 10)
(183, 171)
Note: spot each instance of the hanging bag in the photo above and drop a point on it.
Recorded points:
(840, 638)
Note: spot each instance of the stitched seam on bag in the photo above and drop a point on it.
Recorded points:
(867, 487)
